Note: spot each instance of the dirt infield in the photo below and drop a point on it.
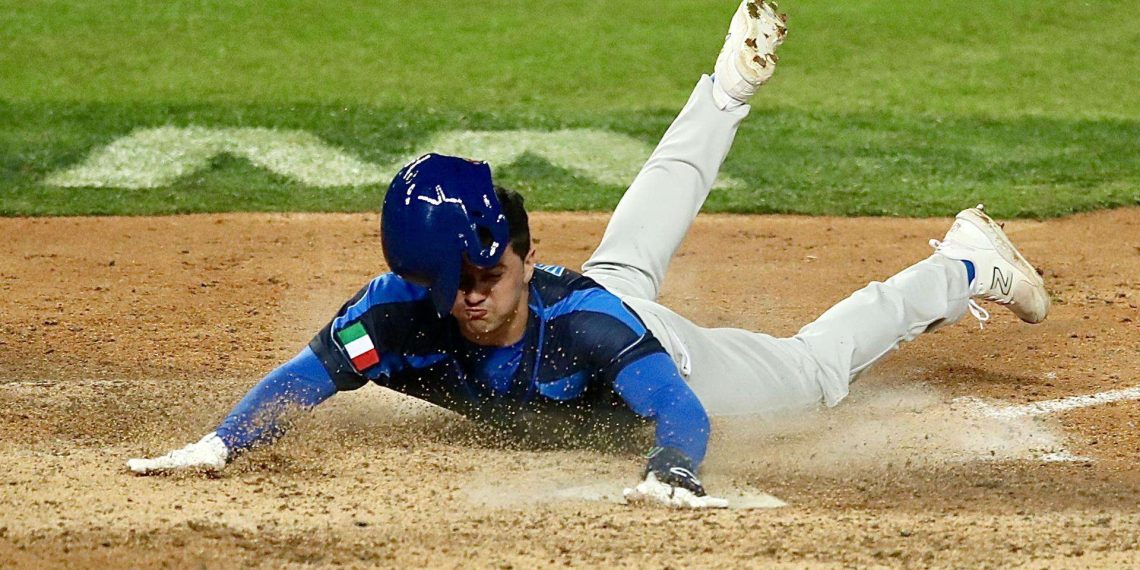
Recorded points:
(128, 336)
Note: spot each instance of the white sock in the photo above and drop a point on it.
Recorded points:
(724, 101)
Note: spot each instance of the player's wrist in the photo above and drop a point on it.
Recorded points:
(674, 468)
(663, 458)
(213, 444)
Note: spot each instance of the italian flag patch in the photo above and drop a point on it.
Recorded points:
(359, 347)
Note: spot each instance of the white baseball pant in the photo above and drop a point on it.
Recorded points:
(734, 371)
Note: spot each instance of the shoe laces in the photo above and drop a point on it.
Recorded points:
(976, 290)
(978, 312)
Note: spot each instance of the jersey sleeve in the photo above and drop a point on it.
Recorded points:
(382, 319)
(631, 361)
(654, 389)
(300, 383)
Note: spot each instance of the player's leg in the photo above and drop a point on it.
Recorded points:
(740, 372)
(656, 211)
(736, 372)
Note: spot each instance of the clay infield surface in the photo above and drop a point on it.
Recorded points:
(123, 337)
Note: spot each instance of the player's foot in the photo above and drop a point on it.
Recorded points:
(1001, 273)
(748, 57)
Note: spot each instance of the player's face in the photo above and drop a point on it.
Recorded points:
(491, 306)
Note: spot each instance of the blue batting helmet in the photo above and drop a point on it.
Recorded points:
(440, 210)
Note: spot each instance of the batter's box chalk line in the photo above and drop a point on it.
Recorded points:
(1001, 412)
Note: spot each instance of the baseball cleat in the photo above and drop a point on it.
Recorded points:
(1001, 273)
(748, 57)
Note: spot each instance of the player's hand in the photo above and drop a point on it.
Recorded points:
(670, 481)
(654, 492)
(210, 453)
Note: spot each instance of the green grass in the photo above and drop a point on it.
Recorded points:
(899, 108)
(789, 160)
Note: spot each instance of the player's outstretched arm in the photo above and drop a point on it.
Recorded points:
(300, 383)
(653, 389)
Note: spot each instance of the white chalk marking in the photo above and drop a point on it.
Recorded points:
(749, 500)
(1044, 407)
(606, 157)
(1053, 406)
(1064, 456)
(153, 158)
(738, 499)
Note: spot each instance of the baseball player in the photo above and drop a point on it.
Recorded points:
(469, 321)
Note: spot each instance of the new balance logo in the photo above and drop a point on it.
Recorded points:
(1004, 282)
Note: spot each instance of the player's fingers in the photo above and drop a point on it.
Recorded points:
(657, 493)
(687, 499)
(136, 465)
(210, 454)
(635, 497)
(143, 466)
(648, 492)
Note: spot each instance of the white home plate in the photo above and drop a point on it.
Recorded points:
(753, 500)
(609, 493)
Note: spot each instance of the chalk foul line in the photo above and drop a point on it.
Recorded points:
(1045, 407)
(1050, 406)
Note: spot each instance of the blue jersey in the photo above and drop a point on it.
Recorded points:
(584, 353)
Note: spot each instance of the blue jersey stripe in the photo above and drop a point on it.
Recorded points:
(565, 388)
(387, 288)
(595, 301)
